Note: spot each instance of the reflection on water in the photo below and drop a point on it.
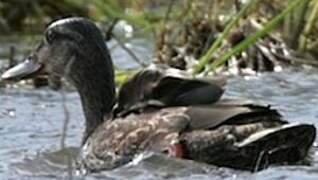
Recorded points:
(31, 121)
(47, 164)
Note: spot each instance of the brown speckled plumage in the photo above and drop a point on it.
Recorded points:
(157, 109)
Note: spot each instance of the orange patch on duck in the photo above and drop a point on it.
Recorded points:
(176, 150)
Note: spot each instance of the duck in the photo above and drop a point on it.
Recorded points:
(160, 110)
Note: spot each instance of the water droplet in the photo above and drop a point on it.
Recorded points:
(9, 112)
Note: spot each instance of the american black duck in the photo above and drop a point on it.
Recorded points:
(160, 110)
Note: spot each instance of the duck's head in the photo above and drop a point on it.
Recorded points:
(71, 48)
(74, 48)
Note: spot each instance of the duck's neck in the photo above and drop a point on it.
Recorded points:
(95, 84)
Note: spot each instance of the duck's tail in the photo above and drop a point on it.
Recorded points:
(286, 144)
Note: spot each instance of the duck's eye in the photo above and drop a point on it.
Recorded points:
(50, 36)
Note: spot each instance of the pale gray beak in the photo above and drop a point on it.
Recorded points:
(23, 70)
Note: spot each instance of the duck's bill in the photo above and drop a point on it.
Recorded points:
(24, 70)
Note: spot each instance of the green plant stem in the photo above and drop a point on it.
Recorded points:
(259, 34)
(311, 21)
(299, 20)
(207, 57)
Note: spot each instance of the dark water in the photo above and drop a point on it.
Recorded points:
(31, 123)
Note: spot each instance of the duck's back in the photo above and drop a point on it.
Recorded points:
(166, 88)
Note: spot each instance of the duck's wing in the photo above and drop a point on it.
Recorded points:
(230, 112)
(244, 136)
(167, 87)
(253, 146)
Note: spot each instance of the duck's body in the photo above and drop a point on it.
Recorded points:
(159, 111)
(222, 132)
(177, 131)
